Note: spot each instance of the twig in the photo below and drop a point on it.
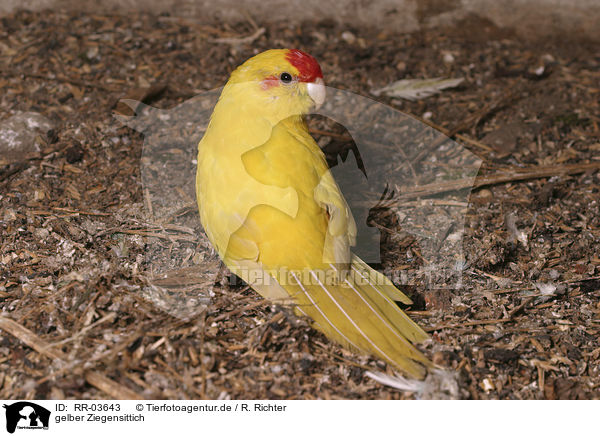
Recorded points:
(237, 41)
(71, 211)
(342, 358)
(111, 387)
(111, 316)
(101, 382)
(30, 338)
(518, 174)
(73, 81)
(474, 142)
(521, 306)
(148, 202)
(80, 212)
(468, 324)
(184, 210)
(149, 234)
(203, 370)
(240, 310)
(339, 136)
(14, 170)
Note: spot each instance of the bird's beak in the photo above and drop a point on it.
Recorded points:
(316, 91)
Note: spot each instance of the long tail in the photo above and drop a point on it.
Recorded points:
(360, 312)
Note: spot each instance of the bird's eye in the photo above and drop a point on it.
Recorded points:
(285, 77)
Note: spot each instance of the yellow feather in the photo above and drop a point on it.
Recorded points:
(278, 219)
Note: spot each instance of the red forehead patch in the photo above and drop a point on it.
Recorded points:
(307, 66)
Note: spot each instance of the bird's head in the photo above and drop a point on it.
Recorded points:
(284, 82)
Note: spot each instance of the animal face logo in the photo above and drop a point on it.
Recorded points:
(26, 415)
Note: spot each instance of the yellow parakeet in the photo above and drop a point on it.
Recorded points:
(277, 218)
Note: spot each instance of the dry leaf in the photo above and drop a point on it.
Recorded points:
(415, 89)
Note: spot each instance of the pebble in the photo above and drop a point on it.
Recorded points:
(485, 193)
(401, 66)
(448, 58)
(349, 37)
(18, 135)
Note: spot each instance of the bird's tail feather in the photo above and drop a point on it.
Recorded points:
(360, 312)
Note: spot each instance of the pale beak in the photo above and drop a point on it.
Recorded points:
(316, 91)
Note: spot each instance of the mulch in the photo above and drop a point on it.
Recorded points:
(110, 292)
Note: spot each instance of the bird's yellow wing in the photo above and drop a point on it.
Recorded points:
(226, 192)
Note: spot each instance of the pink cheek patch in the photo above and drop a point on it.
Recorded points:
(269, 82)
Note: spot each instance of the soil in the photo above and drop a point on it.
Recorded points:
(110, 290)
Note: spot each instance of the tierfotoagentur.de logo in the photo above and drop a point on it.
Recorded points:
(25, 415)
